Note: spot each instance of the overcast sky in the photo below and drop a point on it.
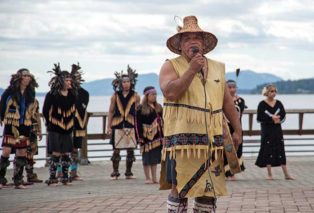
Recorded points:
(104, 36)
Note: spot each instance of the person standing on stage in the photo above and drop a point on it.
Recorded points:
(17, 107)
(59, 113)
(35, 136)
(121, 121)
(271, 114)
(239, 104)
(80, 121)
(195, 98)
(149, 133)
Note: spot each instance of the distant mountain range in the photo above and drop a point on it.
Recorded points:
(104, 86)
(249, 79)
(302, 86)
(249, 82)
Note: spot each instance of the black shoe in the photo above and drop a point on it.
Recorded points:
(64, 181)
(51, 181)
(115, 174)
(3, 181)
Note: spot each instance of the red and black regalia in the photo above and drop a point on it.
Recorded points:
(272, 150)
(16, 112)
(239, 104)
(149, 133)
(33, 148)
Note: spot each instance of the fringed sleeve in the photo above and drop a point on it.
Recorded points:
(37, 118)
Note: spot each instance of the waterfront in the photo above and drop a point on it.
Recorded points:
(296, 142)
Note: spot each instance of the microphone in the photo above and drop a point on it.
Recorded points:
(194, 51)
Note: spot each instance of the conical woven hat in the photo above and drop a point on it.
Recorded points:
(190, 26)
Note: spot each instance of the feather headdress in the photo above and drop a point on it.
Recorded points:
(131, 75)
(17, 78)
(76, 74)
(56, 83)
(15, 83)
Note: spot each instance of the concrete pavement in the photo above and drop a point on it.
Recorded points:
(251, 192)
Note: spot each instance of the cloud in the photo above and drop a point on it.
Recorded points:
(105, 36)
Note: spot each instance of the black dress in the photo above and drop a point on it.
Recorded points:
(272, 150)
(149, 133)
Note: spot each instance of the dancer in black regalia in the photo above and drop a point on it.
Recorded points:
(121, 121)
(59, 112)
(80, 120)
(239, 104)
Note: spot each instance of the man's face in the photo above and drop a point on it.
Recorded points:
(189, 40)
(67, 83)
(232, 89)
(126, 84)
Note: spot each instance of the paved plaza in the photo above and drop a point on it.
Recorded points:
(251, 192)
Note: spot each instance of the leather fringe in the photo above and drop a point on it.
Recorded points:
(150, 146)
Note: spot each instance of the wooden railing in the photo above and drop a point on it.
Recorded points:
(248, 133)
(299, 131)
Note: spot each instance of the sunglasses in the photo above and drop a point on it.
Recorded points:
(273, 91)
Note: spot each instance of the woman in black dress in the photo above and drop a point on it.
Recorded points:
(271, 114)
(149, 133)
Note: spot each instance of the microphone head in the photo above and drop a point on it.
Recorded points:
(195, 50)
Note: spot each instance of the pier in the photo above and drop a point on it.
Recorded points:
(250, 193)
(249, 132)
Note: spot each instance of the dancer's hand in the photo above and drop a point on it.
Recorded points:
(109, 130)
(40, 136)
(236, 137)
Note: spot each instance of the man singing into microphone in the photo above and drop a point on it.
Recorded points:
(195, 98)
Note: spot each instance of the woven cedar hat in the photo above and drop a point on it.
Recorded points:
(190, 26)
